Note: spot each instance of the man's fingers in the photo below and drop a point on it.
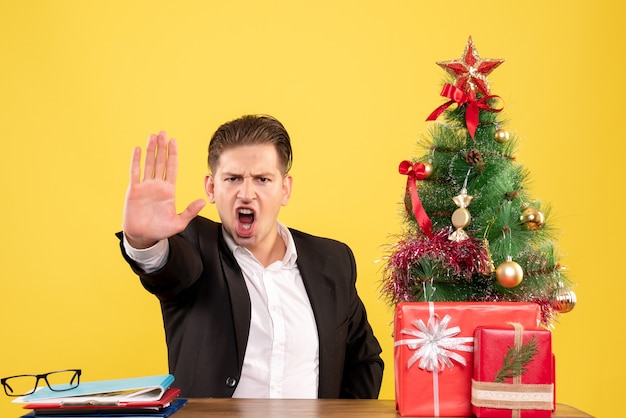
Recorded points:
(161, 156)
(135, 167)
(161, 160)
(192, 211)
(148, 171)
(172, 162)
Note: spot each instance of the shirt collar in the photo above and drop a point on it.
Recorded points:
(291, 255)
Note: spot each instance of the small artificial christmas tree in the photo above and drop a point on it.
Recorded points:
(472, 231)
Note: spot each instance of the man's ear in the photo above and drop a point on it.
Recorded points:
(209, 187)
(287, 185)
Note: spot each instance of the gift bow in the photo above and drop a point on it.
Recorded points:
(416, 172)
(434, 344)
(458, 96)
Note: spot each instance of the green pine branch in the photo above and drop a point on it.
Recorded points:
(516, 360)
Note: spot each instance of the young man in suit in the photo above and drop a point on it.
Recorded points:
(250, 307)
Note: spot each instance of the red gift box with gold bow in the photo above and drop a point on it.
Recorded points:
(433, 351)
(513, 373)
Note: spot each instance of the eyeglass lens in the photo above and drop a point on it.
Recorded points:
(25, 384)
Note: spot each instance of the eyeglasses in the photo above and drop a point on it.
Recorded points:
(25, 384)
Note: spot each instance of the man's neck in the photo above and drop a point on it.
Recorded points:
(266, 253)
(270, 254)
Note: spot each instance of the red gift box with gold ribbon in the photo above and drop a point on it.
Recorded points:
(433, 351)
(513, 373)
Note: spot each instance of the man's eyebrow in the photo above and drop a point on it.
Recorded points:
(263, 174)
(229, 174)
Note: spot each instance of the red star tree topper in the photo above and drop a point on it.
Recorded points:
(470, 71)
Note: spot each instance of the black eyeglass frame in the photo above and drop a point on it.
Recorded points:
(44, 377)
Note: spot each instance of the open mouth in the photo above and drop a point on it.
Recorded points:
(246, 219)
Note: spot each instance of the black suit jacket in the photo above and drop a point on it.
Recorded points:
(206, 314)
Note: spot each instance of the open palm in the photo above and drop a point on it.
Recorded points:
(150, 206)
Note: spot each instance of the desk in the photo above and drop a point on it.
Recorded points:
(327, 408)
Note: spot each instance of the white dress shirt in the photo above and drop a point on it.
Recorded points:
(282, 354)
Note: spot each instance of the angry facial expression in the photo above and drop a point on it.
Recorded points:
(248, 188)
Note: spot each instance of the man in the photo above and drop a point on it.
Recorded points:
(250, 308)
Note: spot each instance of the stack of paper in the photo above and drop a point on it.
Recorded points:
(150, 396)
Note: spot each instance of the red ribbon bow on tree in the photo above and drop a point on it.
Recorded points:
(416, 172)
(458, 96)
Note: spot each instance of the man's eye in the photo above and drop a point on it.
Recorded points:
(231, 179)
(263, 180)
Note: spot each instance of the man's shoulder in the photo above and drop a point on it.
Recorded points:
(201, 226)
(202, 222)
(301, 237)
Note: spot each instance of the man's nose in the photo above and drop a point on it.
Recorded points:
(246, 189)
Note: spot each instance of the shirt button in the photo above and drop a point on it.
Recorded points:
(231, 382)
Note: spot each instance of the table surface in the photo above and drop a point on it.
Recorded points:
(327, 408)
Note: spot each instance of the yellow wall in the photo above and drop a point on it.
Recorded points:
(353, 81)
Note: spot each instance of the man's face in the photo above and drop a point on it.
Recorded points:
(248, 189)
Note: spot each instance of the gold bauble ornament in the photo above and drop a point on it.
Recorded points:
(428, 170)
(501, 135)
(509, 274)
(533, 218)
(563, 299)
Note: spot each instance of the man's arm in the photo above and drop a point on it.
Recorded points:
(148, 259)
(166, 275)
(363, 367)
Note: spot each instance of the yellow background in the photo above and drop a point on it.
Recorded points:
(82, 83)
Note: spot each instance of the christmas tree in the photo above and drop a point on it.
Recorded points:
(472, 232)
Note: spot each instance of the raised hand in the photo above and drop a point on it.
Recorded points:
(150, 206)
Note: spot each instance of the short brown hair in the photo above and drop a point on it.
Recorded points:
(251, 130)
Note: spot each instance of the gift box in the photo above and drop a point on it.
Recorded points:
(513, 373)
(433, 352)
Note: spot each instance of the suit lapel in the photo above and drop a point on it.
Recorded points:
(239, 298)
(320, 289)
